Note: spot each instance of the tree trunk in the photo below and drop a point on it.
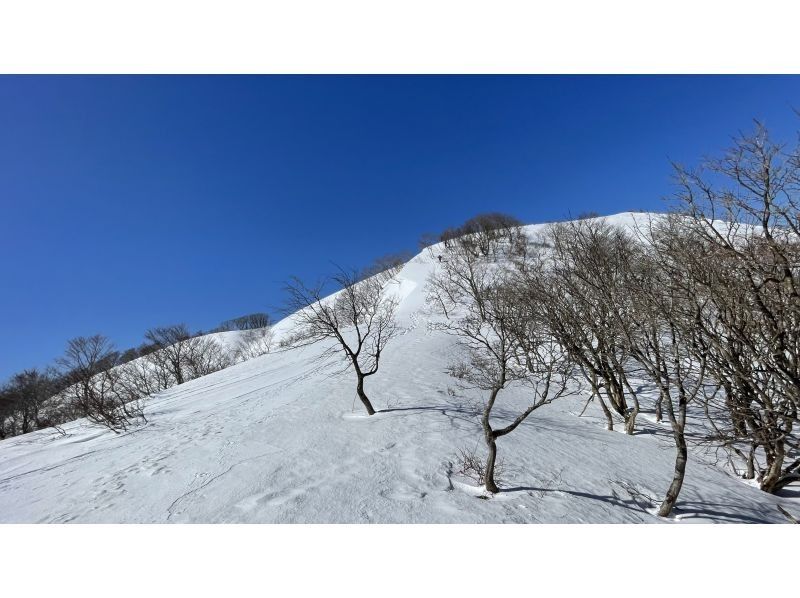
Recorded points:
(607, 413)
(491, 486)
(677, 480)
(630, 420)
(488, 434)
(362, 395)
(769, 483)
(751, 464)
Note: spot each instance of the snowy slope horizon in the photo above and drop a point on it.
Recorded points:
(282, 438)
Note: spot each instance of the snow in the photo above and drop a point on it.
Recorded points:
(282, 438)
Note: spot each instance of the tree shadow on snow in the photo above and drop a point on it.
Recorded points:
(717, 512)
(451, 412)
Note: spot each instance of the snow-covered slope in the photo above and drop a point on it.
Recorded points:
(282, 438)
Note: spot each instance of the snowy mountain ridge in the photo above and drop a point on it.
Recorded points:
(282, 438)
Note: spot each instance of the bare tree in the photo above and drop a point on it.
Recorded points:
(658, 324)
(359, 319)
(581, 296)
(171, 344)
(92, 384)
(84, 363)
(744, 211)
(8, 413)
(29, 390)
(182, 356)
(497, 325)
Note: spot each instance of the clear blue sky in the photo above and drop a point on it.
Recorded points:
(130, 202)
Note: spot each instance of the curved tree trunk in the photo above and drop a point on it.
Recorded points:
(630, 420)
(775, 457)
(751, 464)
(677, 479)
(607, 413)
(489, 435)
(491, 486)
(362, 395)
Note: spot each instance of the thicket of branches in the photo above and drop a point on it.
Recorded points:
(704, 303)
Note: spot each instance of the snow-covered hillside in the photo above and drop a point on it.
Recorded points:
(282, 438)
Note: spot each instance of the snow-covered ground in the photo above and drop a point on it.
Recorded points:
(282, 438)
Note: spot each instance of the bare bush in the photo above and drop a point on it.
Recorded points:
(473, 466)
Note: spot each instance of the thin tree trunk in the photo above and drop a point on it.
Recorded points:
(769, 483)
(491, 486)
(488, 434)
(631, 415)
(607, 413)
(677, 480)
(751, 464)
(630, 420)
(362, 395)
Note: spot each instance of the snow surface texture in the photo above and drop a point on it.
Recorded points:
(282, 438)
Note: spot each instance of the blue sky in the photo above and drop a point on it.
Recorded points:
(131, 202)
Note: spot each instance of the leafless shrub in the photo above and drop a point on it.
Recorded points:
(473, 466)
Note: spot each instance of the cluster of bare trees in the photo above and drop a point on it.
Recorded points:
(702, 303)
(744, 215)
(94, 380)
(23, 401)
(254, 321)
(106, 390)
(480, 235)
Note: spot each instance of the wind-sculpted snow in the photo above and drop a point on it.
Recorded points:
(282, 438)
